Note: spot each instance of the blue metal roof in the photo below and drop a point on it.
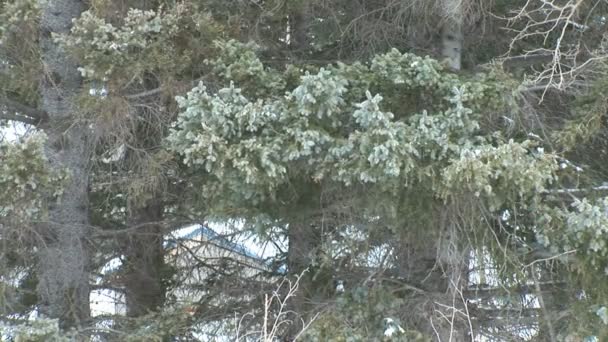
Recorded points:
(212, 236)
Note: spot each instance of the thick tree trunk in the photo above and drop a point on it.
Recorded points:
(434, 262)
(63, 273)
(417, 260)
(144, 255)
(453, 258)
(419, 267)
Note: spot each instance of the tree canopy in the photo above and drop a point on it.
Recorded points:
(424, 170)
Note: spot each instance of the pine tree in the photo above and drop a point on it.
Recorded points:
(422, 198)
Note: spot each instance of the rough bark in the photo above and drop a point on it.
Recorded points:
(417, 266)
(417, 261)
(453, 258)
(432, 262)
(63, 273)
(303, 241)
(144, 257)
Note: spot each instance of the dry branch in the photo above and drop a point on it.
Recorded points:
(16, 111)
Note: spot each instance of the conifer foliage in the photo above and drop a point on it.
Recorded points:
(424, 170)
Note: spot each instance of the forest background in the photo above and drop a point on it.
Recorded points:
(436, 168)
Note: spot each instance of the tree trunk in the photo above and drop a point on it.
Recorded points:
(315, 284)
(299, 19)
(433, 262)
(301, 246)
(303, 237)
(419, 266)
(453, 258)
(451, 33)
(144, 256)
(452, 254)
(63, 273)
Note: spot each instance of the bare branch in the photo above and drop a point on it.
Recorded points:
(555, 23)
(146, 93)
(525, 60)
(19, 118)
(156, 91)
(16, 111)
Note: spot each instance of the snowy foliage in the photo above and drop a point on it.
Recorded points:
(29, 182)
(510, 172)
(108, 51)
(335, 124)
(381, 172)
(38, 330)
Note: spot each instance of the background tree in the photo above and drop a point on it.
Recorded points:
(424, 199)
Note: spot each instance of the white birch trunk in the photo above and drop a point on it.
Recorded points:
(451, 35)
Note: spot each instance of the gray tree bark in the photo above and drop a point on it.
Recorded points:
(63, 273)
(434, 264)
